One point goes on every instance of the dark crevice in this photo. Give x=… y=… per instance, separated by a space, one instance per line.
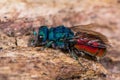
x=16 y=41
x=69 y=78
x=1 y=48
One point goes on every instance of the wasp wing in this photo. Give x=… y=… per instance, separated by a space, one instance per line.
x=86 y=31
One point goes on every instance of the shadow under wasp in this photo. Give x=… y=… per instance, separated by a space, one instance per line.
x=75 y=40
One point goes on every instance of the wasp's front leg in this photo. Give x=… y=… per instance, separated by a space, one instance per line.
x=48 y=44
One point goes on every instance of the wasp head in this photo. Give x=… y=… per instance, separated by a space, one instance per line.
x=39 y=36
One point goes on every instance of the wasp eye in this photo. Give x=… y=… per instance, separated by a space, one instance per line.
x=40 y=37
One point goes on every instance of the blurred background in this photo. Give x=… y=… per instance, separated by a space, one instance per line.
x=17 y=16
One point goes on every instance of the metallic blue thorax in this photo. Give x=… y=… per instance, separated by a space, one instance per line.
x=59 y=34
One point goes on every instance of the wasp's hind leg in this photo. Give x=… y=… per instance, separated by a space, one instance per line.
x=76 y=51
x=73 y=54
x=81 y=53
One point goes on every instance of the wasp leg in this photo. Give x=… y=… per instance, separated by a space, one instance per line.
x=72 y=53
x=81 y=53
x=47 y=45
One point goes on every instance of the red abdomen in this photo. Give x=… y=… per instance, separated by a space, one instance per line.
x=93 y=50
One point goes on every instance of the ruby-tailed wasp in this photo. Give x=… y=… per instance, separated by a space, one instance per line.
x=75 y=40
